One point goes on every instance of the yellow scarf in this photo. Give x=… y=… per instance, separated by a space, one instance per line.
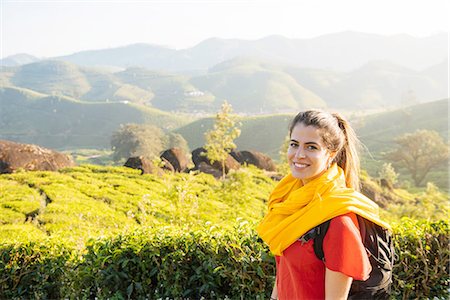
x=294 y=209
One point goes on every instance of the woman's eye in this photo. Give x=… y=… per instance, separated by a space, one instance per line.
x=293 y=145
x=310 y=147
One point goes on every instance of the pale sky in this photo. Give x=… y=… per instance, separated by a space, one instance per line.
x=52 y=28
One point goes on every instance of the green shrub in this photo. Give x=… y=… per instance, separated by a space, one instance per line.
x=214 y=263
x=421 y=270
x=33 y=271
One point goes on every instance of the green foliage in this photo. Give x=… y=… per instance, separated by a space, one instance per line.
x=220 y=140
x=388 y=173
x=177 y=140
x=421 y=270
x=430 y=204
x=89 y=201
x=143 y=140
x=419 y=152
x=111 y=233
x=91 y=156
x=66 y=123
x=211 y=262
x=33 y=270
x=137 y=140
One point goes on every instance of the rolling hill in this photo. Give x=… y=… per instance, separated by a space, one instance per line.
x=377 y=131
x=251 y=85
x=65 y=123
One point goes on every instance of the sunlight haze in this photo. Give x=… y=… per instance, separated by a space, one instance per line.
x=50 y=28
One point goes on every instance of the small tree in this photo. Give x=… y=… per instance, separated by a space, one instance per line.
x=419 y=152
x=388 y=173
x=220 y=140
x=143 y=140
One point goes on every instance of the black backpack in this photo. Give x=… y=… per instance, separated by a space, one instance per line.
x=380 y=249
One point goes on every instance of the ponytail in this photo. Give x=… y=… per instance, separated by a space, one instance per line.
x=347 y=157
x=339 y=138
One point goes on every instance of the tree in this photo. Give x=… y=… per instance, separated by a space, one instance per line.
x=220 y=140
x=419 y=152
x=143 y=140
x=388 y=173
x=135 y=140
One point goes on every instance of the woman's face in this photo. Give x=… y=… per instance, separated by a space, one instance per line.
x=307 y=155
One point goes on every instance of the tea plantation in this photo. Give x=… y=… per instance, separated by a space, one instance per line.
x=110 y=233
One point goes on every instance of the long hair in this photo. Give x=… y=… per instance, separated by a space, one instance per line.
x=338 y=136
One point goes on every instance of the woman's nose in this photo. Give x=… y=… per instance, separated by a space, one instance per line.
x=300 y=153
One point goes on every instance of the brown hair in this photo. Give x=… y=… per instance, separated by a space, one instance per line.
x=338 y=136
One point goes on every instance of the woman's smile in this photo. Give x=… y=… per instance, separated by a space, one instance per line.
x=307 y=155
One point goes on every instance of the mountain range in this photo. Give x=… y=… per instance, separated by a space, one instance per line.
x=251 y=85
x=343 y=51
x=78 y=100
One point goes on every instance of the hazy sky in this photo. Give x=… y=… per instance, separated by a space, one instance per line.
x=51 y=28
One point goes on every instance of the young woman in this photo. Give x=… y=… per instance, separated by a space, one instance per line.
x=322 y=185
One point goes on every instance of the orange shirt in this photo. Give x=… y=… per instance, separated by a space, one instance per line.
x=301 y=275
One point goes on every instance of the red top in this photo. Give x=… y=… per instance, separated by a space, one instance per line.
x=301 y=275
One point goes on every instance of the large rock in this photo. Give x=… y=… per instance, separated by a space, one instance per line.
x=143 y=164
x=208 y=169
x=29 y=157
x=199 y=156
x=177 y=158
x=257 y=159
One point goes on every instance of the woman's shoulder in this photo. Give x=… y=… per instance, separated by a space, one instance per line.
x=346 y=220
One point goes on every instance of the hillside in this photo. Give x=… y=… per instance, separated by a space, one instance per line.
x=170 y=91
x=65 y=123
x=85 y=202
x=250 y=84
x=261 y=133
x=376 y=131
x=253 y=86
x=110 y=233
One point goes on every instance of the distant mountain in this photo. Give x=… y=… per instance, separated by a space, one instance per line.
x=251 y=85
x=144 y=55
x=52 y=77
x=342 y=51
x=377 y=84
x=66 y=123
x=18 y=60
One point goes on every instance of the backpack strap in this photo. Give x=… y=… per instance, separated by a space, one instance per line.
x=321 y=231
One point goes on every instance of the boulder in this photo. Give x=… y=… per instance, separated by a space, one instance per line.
x=257 y=159
x=167 y=166
x=199 y=156
x=177 y=158
x=237 y=156
x=141 y=163
x=208 y=169
x=30 y=157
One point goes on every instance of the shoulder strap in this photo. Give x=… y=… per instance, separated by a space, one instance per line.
x=321 y=231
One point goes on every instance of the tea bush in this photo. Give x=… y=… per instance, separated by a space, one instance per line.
x=214 y=263
x=110 y=233
x=423 y=260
